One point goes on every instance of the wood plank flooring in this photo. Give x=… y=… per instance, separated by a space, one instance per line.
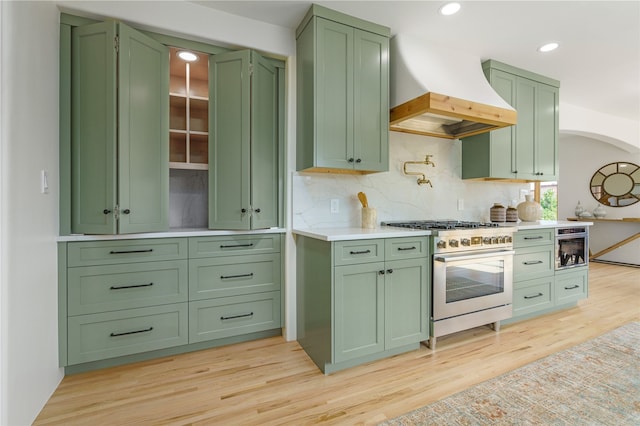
x=273 y=382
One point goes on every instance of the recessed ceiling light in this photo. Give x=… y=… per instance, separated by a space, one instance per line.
x=450 y=9
x=548 y=47
x=187 y=56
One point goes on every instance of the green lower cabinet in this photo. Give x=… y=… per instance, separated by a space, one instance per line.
x=571 y=285
x=111 y=334
x=533 y=262
x=532 y=296
x=353 y=311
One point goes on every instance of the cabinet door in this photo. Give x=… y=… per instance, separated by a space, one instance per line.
x=371 y=101
x=359 y=310
x=503 y=151
x=143 y=133
x=229 y=128
x=265 y=163
x=546 y=130
x=334 y=95
x=406 y=298
x=525 y=136
x=93 y=134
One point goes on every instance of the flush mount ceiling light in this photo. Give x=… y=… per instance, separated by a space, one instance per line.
x=548 y=47
x=187 y=56
x=449 y=9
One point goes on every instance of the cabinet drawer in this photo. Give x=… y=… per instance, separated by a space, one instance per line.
x=571 y=286
x=406 y=248
x=232 y=316
x=89 y=253
x=532 y=263
x=221 y=277
x=231 y=245
x=359 y=251
x=532 y=296
x=537 y=237
x=112 y=334
x=93 y=289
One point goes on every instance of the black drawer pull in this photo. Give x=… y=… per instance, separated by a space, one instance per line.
x=130 y=251
x=238 y=245
x=572 y=287
x=360 y=252
x=537 y=237
x=250 y=314
x=406 y=248
x=532 y=262
x=223 y=277
x=389 y=271
x=146 y=330
x=534 y=296
x=122 y=287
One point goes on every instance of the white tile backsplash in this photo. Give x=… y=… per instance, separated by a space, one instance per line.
x=397 y=196
x=188 y=199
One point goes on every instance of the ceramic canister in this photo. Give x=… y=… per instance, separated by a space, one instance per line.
x=512 y=214
x=498 y=213
x=529 y=210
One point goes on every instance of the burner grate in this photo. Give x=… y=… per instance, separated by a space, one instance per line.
x=440 y=224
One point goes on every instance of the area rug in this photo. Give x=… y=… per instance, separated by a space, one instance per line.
x=594 y=383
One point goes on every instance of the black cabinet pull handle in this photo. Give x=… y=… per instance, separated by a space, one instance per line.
x=237 y=245
x=572 y=287
x=257 y=210
x=534 y=296
x=406 y=248
x=359 y=160
x=537 y=237
x=360 y=252
x=146 y=330
x=532 y=262
x=389 y=271
x=381 y=272
x=130 y=251
x=250 y=314
x=226 y=277
x=106 y=211
x=126 y=211
x=122 y=287
x=243 y=210
x=350 y=160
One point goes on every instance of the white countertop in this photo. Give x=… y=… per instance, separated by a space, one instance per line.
x=344 y=234
x=169 y=234
x=550 y=224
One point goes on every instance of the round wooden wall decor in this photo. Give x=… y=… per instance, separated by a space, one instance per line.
x=616 y=184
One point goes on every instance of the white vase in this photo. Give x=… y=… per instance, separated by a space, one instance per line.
x=529 y=210
x=579 y=209
x=599 y=212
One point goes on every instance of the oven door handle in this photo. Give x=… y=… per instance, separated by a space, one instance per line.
x=474 y=256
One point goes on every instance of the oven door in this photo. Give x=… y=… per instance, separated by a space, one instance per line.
x=471 y=282
x=572 y=250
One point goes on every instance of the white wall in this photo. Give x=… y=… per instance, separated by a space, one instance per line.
x=29 y=219
x=580 y=158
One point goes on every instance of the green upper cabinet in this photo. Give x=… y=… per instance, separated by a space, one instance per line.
x=120 y=128
x=342 y=94
x=244 y=147
x=528 y=150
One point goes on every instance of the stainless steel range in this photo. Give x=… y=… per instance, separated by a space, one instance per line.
x=472 y=274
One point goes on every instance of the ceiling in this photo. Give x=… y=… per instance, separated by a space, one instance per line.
x=597 y=63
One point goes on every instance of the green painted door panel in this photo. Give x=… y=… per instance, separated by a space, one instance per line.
x=503 y=150
x=525 y=104
x=532 y=296
x=93 y=137
x=88 y=253
x=143 y=133
x=334 y=93
x=265 y=165
x=533 y=262
x=359 y=310
x=229 y=142
x=406 y=297
x=547 y=132
x=371 y=101
x=233 y=245
x=571 y=285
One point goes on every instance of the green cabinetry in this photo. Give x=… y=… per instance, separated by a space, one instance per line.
x=528 y=150
x=119 y=139
x=342 y=93
x=361 y=300
x=127 y=300
x=537 y=287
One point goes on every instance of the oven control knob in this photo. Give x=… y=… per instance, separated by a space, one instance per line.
x=486 y=240
x=441 y=244
x=500 y=240
x=465 y=242
x=453 y=243
x=494 y=240
x=508 y=239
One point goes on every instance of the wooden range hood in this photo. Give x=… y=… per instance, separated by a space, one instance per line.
x=435 y=91
x=442 y=116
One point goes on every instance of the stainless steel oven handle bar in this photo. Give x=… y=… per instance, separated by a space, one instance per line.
x=454 y=258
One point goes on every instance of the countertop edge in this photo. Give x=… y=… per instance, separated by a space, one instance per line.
x=168 y=234
x=347 y=234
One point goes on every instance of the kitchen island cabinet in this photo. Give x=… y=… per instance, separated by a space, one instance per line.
x=342 y=94
x=527 y=151
x=361 y=300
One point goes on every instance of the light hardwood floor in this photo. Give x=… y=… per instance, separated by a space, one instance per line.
x=272 y=381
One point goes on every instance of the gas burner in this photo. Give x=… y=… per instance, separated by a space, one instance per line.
x=440 y=224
